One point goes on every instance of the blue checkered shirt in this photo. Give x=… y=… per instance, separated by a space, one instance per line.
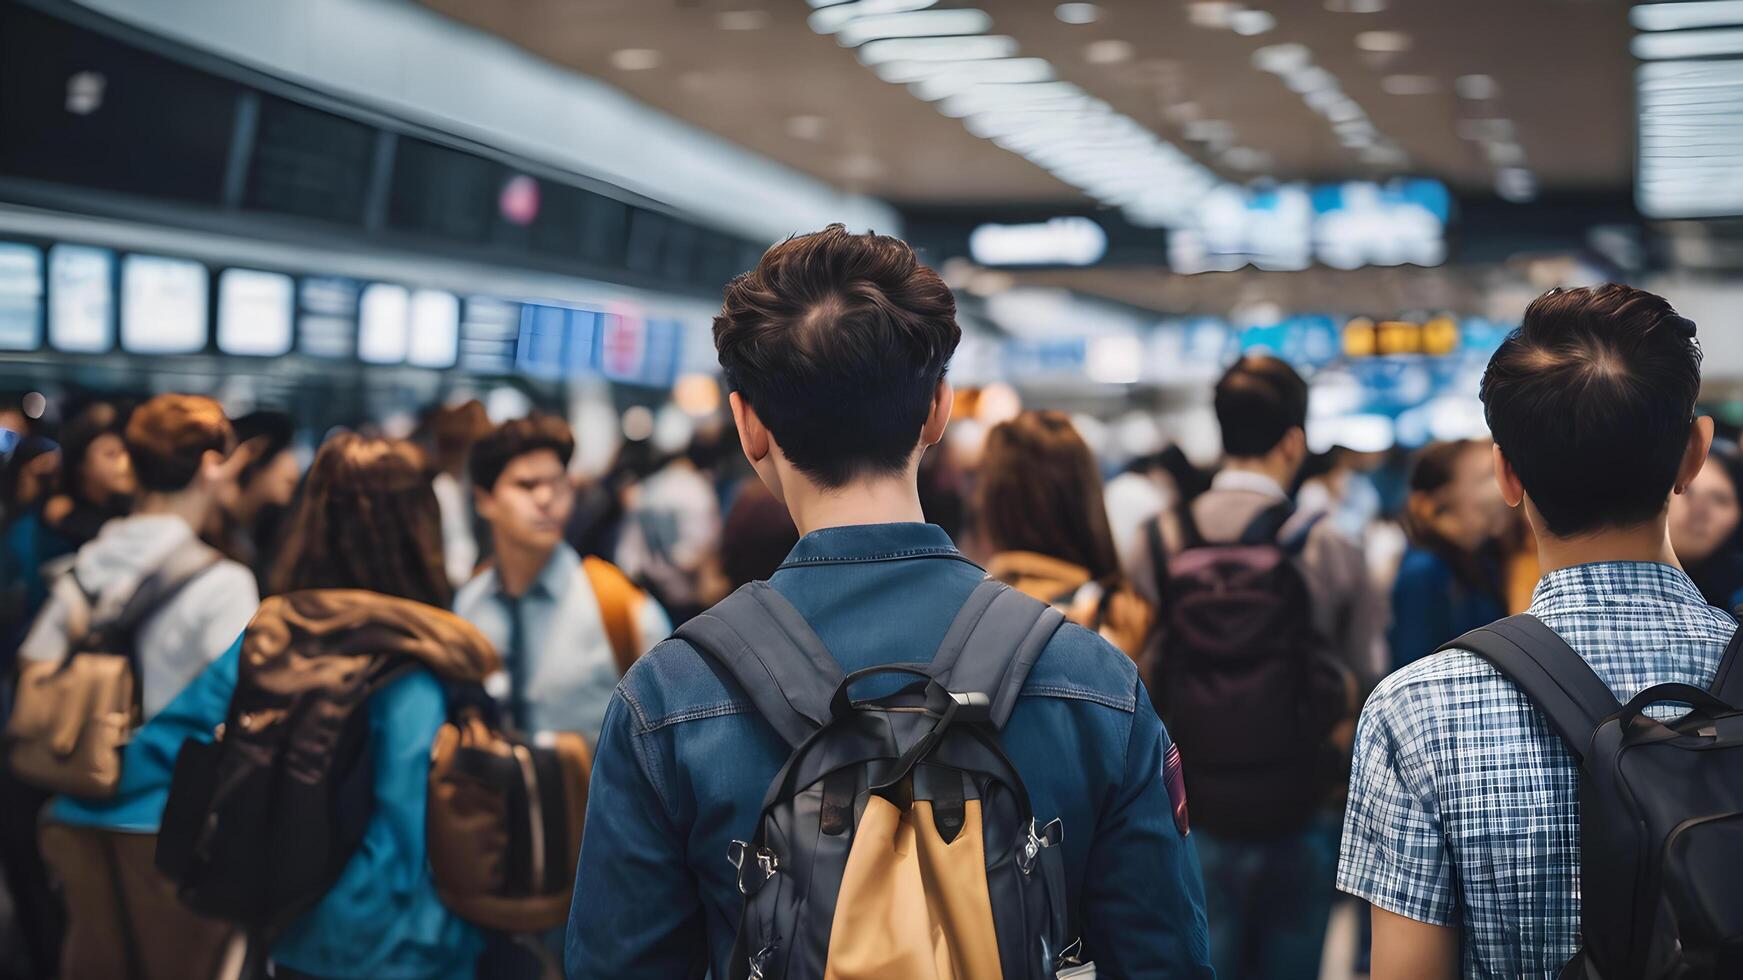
x=1463 y=806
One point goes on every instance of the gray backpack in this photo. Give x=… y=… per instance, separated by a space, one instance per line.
x=898 y=837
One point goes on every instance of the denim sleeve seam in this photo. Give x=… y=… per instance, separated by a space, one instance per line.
x=644 y=751
x=642 y=725
x=1126 y=704
x=715 y=710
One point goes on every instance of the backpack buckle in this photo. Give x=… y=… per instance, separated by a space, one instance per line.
x=972 y=706
x=1049 y=836
x=736 y=853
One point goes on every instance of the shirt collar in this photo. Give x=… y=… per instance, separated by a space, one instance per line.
x=1249 y=482
x=871 y=542
x=553 y=579
x=1606 y=582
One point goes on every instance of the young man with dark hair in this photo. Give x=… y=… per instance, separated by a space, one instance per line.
x=1463 y=825
x=567 y=627
x=1267 y=626
x=835 y=348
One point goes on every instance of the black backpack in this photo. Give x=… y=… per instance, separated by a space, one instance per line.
x=1661 y=808
x=929 y=748
x=1242 y=680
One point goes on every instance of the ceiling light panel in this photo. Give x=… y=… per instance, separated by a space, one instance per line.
x=1688 y=44
x=1683 y=16
x=947 y=57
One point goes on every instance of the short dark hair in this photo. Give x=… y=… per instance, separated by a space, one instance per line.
x=839 y=341
x=275 y=430
x=169 y=435
x=1590 y=400
x=1258 y=401
x=503 y=444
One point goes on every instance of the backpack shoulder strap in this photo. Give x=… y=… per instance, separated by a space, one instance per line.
x=1728 y=682
x=992 y=644
x=618 y=598
x=1184 y=521
x=773 y=654
x=179 y=569
x=1558 y=681
x=1268 y=523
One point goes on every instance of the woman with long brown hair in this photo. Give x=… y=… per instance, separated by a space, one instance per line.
x=1449 y=581
x=1040 y=509
x=362 y=564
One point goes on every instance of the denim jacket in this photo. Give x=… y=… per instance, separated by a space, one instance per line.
x=684 y=760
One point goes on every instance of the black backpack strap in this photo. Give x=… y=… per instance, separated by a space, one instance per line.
x=769 y=649
x=1728 y=682
x=1558 y=681
x=1267 y=524
x=993 y=642
x=1190 y=536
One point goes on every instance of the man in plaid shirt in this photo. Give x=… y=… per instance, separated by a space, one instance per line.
x=1463 y=817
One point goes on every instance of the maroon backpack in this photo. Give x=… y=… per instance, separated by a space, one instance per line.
x=1242 y=679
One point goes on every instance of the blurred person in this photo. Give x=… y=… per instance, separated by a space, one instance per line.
x=365 y=541
x=1268 y=626
x=757 y=537
x=95 y=484
x=835 y=350
x=1449 y=582
x=28 y=477
x=181 y=452
x=1341 y=491
x=1146 y=487
x=1465 y=808
x=671 y=529
x=97 y=479
x=1039 y=502
x=266 y=486
x=453 y=429
x=567 y=627
x=1704 y=524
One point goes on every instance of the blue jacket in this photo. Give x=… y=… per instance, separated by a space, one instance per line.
x=684 y=760
x=382 y=919
x=1431 y=606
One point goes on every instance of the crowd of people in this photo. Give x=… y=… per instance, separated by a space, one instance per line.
x=1214 y=635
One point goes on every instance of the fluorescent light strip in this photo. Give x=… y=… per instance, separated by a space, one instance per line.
x=832 y=19
x=1682 y=16
x=919 y=23
x=945 y=56
x=947 y=49
x=1687 y=44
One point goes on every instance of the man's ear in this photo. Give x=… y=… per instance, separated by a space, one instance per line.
x=484 y=503
x=753 y=436
x=938 y=417
x=1694 y=455
x=1512 y=491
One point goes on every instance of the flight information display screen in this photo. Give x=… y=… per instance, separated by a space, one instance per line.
x=163 y=305
x=435 y=329
x=81 y=299
x=327 y=326
x=384 y=324
x=256 y=312
x=309 y=163
x=20 y=296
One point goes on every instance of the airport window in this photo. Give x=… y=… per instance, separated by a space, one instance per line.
x=163 y=305
x=20 y=296
x=327 y=327
x=81 y=299
x=255 y=312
